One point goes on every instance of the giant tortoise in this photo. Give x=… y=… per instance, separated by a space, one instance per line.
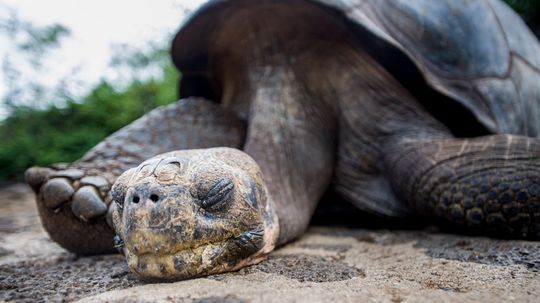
x=404 y=108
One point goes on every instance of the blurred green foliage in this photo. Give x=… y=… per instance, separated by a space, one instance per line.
x=527 y=8
x=32 y=40
x=530 y=11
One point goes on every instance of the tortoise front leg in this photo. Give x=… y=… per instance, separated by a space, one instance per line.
x=73 y=199
x=488 y=183
x=291 y=137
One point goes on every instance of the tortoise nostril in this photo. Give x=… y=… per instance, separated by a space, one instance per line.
x=154 y=198
x=136 y=199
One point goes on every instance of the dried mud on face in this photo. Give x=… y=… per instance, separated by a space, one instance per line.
x=327 y=264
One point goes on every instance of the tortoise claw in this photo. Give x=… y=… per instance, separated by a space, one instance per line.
x=36 y=176
x=56 y=191
x=87 y=204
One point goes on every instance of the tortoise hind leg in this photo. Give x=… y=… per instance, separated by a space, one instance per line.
x=73 y=199
x=487 y=183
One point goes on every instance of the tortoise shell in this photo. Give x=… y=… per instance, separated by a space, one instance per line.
x=477 y=53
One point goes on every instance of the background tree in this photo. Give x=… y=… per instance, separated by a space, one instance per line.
x=65 y=128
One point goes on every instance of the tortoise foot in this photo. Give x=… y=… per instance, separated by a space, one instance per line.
x=73 y=203
x=487 y=184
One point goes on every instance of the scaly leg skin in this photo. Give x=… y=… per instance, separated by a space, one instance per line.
x=395 y=158
x=490 y=184
x=73 y=199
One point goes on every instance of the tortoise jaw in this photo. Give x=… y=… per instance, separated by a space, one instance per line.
x=196 y=259
x=210 y=258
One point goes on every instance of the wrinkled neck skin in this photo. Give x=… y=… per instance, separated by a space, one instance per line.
x=271 y=74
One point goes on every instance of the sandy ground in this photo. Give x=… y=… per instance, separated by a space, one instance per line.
x=327 y=264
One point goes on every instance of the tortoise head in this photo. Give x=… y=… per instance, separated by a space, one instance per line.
x=193 y=213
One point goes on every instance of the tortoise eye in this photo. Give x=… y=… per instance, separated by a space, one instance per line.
x=219 y=193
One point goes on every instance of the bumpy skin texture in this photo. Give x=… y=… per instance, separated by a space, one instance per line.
x=490 y=183
x=195 y=212
x=323 y=89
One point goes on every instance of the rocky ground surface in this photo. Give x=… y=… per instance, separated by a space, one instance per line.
x=327 y=264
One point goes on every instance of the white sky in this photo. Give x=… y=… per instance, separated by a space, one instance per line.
x=95 y=26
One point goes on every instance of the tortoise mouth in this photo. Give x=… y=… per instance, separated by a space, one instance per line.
x=199 y=259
